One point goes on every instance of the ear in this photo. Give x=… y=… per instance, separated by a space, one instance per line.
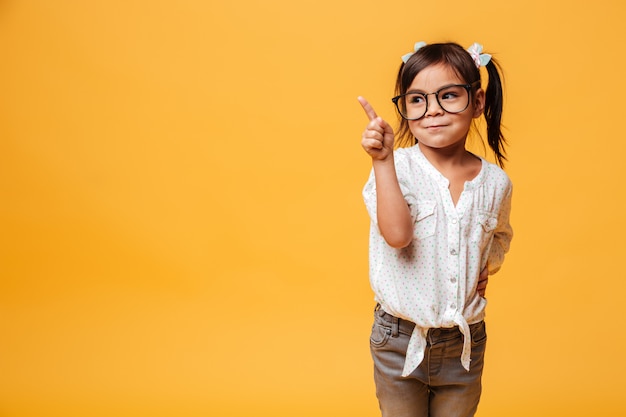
x=479 y=102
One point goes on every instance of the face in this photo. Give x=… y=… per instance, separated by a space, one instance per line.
x=439 y=129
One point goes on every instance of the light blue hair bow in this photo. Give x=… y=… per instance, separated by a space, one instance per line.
x=475 y=52
x=479 y=59
x=416 y=48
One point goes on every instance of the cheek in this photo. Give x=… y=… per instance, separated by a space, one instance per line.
x=414 y=127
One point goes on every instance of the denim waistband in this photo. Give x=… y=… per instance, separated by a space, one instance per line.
x=406 y=327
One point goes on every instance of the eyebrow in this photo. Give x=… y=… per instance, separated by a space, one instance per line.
x=424 y=92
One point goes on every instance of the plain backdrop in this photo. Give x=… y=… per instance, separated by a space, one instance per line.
x=182 y=229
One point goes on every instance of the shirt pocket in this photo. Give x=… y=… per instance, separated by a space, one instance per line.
x=486 y=223
x=426 y=219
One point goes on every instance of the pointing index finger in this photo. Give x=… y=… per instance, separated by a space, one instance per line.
x=369 y=110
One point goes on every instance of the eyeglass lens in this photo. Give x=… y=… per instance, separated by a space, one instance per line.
x=452 y=99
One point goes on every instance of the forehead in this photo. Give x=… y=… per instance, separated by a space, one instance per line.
x=434 y=77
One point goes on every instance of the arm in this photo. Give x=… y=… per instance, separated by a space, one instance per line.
x=500 y=246
x=502 y=235
x=393 y=215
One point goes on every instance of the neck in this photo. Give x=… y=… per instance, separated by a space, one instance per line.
x=450 y=157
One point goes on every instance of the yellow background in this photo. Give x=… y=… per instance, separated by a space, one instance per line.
x=182 y=230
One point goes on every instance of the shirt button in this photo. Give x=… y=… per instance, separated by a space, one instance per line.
x=453 y=306
x=453 y=221
x=453 y=280
x=453 y=251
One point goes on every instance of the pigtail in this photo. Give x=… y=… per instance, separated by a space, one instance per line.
x=494 y=101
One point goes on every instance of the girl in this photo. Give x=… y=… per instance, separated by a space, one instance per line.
x=440 y=225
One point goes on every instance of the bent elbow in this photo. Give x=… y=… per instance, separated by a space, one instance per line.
x=398 y=234
x=400 y=241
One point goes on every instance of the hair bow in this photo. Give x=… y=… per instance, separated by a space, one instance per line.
x=479 y=59
x=416 y=48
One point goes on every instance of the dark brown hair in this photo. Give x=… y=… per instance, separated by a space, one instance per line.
x=463 y=65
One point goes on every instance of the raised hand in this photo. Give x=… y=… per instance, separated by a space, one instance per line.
x=378 y=137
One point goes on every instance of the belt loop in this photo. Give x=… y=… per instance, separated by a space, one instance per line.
x=394 y=326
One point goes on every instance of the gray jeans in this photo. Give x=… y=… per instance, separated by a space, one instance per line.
x=440 y=386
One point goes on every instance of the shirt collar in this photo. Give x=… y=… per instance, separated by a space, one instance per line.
x=441 y=179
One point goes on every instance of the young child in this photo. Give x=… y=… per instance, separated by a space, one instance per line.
x=439 y=225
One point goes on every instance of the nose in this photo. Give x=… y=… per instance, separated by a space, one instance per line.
x=433 y=108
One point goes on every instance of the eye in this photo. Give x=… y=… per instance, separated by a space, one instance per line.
x=451 y=93
x=415 y=98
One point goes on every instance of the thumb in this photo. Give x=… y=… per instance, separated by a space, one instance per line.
x=388 y=134
x=386 y=126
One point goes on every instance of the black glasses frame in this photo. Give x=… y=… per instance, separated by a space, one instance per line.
x=467 y=87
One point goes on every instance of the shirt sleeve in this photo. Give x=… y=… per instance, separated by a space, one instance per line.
x=406 y=181
x=502 y=235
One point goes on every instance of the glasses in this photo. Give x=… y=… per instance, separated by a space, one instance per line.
x=451 y=98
